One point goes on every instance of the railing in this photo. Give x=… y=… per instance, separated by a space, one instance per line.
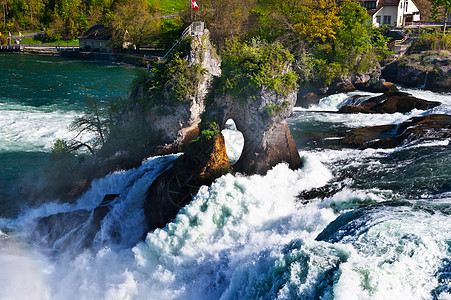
x=397 y=42
x=195 y=28
x=10 y=48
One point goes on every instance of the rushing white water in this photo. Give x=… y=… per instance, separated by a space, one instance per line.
x=27 y=128
x=251 y=237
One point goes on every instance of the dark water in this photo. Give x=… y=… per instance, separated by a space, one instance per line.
x=39 y=96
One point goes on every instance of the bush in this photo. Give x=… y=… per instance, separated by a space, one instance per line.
x=248 y=67
x=169 y=83
x=431 y=42
x=51 y=36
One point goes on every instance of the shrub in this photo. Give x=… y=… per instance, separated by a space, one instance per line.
x=431 y=42
x=248 y=67
x=169 y=83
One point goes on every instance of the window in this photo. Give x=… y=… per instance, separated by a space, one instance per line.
x=92 y=45
x=100 y=45
x=378 y=19
x=387 y=19
x=369 y=4
x=85 y=44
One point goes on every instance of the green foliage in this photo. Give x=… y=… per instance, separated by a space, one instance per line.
x=60 y=150
x=169 y=83
x=441 y=8
x=380 y=40
x=209 y=129
x=248 y=67
x=431 y=42
x=170 y=32
x=274 y=109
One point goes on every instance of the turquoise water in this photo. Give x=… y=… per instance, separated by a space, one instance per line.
x=39 y=96
x=350 y=224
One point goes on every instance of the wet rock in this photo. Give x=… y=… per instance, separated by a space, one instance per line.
x=369 y=81
x=414 y=130
x=204 y=160
x=430 y=70
x=72 y=230
x=267 y=138
x=390 y=102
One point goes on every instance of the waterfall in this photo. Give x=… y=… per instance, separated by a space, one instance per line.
x=425 y=80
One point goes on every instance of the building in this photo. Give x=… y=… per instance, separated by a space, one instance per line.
x=393 y=13
x=96 y=38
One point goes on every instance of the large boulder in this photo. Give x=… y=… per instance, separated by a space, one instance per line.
x=204 y=160
x=414 y=130
x=261 y=120
x=390 y=102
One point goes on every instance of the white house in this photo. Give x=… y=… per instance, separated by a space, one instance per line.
x=394 y=13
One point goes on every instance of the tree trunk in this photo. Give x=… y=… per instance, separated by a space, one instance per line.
x=445 y=19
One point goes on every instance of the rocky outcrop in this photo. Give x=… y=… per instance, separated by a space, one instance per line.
x=178 y=124
x=259 y=115
x=369 y=81
x=204 y=160
x=390 y=102
x=429 y=70
x=414 y=130
x=267 y=138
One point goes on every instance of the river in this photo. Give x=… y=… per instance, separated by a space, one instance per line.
x=350 y=224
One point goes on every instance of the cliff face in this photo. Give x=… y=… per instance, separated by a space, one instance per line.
x=178 y=124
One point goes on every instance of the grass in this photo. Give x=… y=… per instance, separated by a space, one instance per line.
x=168 y=7
x=32 y=41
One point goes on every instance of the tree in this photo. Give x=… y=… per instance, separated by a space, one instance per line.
x=225 y=19
x=98 y=118
x=298 y=24
x=353 y=42
x=135 y=22
x=441 y=6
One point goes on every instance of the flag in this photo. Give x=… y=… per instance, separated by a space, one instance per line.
x=194 y=5
x=10 y=34
x=20 y=34
x=1 y=34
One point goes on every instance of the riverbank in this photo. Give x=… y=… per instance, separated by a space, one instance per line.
x=72 y=52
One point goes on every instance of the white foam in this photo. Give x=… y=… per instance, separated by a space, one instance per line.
x=395 y=257
x=26 y=128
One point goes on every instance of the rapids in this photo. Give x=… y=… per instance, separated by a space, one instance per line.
x=350 y=224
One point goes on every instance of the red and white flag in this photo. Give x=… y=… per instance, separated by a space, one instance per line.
x=194 y=5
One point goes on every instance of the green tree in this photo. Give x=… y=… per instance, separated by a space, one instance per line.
x=353 y=42
x=441 y=6
x=225 y=19
x=135 y=21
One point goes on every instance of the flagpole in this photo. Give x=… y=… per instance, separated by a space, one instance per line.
x=191 y=5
